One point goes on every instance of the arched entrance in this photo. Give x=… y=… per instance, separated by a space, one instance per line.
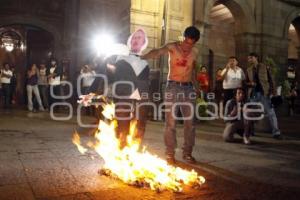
x=294 y=46
x=220 y=37
x=38 y=43
x=226 y=27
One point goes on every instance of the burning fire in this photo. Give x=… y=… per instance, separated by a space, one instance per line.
x=133 y=165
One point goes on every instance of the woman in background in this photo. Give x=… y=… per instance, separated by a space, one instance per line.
x=32 y=87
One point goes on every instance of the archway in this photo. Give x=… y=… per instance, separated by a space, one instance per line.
x=228 y=22
x=220 y=38
x=38 y=43
x=294 y=46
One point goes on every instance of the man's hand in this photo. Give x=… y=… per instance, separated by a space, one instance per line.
x=227 y=66
x=234 y=112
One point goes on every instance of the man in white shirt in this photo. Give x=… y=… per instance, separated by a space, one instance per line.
x=88 y=77
x=233 y=77
x=6 y=75
x=54 y=77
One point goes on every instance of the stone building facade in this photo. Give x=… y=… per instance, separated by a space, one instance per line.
x=59 y=28
x=228 y=27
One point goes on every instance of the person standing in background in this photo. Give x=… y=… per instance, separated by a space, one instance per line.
x=233 y=78
x=54 y=78
x=32 y=87
x=261 y=88
x=203 y=80
x=13 y=85
x=6 y=75
x=43 y=85
x=88 y=77
x=219 y=86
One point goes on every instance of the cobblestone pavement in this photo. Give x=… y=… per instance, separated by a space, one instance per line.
x=38 y=161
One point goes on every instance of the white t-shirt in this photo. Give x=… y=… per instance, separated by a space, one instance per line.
x=87 y=78
x=233 y=78
x=5 y=79
x=56 y=79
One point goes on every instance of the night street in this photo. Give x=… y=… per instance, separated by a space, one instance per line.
x=39 y=161
x=198 y=99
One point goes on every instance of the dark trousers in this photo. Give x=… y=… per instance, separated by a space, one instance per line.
x=228 y=94
x=124 y=108
x=44 y=95
x=141 y=115
x=57 y=91
x=6 y=90
x=12 y=92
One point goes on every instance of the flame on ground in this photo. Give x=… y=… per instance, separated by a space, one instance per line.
x=132 y=165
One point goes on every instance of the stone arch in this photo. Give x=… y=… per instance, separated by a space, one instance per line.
x=32 y=21
x=41 y=24
x=241 y=11
x=292 y=18
x=289 y=19
x=244 y=25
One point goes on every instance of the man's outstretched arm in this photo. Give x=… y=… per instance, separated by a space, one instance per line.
x=155 y=53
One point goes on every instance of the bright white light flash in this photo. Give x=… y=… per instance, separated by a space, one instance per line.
x=102 y=44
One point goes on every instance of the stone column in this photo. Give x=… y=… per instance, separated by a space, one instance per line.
x=298 y=65
x=245 y=44
x=70 y=37
x=202 y=43
x=264 y=45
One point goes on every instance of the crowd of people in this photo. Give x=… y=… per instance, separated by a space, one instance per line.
x=234 y=86
x=43 y=85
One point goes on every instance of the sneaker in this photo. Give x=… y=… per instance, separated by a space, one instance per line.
x=170 y=159
x=41 y=109
x=189 y=158
x=246 y=140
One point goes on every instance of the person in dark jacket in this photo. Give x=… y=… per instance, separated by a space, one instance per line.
x=261 y=88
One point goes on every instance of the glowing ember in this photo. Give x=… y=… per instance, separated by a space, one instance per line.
x=132 y=165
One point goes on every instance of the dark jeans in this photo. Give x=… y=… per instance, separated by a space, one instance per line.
x=268 y=109
x=44 y=95
x=228 y=94
x=141 y=115
x=6 y=90
x=12 y=92
x=184 y=97
x=124 y=108
x=56 y=91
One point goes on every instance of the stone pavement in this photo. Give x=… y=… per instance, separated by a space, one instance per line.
x=38 y=161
